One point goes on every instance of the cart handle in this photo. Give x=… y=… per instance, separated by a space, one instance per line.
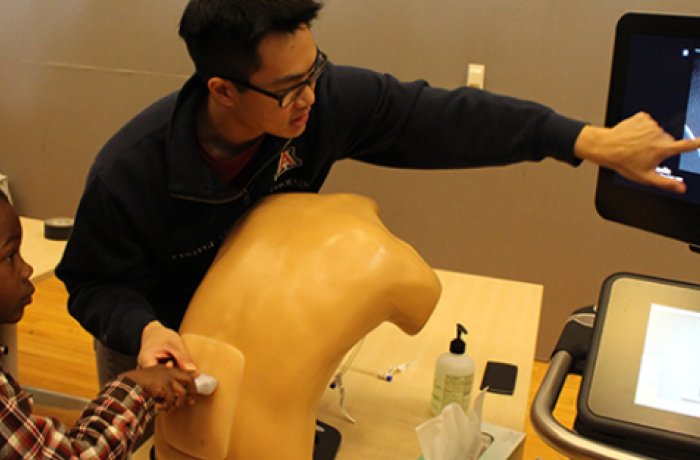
x=556 y=435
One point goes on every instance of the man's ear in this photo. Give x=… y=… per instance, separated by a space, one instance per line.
x=223 y=91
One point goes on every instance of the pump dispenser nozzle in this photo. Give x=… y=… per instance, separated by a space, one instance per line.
x=457 y=346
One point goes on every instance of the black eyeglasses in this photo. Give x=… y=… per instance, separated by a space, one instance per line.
x=286 y=96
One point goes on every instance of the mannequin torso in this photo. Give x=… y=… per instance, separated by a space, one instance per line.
x=295 y=285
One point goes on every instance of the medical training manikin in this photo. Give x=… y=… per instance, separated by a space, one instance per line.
x=296 y=283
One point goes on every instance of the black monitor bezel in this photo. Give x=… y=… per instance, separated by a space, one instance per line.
x=660 y=213
x=606 y=399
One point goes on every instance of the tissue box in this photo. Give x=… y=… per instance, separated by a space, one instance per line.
x=505 y=442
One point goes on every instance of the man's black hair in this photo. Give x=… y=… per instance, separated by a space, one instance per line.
x=3 y=197
x=222 y=36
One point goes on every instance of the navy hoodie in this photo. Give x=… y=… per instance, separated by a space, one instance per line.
x=153 y=214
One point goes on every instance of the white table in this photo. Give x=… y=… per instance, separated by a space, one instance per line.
x=502 y=318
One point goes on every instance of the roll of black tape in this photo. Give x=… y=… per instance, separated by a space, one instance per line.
x=58 y=228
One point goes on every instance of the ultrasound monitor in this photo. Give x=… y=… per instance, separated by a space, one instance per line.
x=656 y=69
x=641 y=385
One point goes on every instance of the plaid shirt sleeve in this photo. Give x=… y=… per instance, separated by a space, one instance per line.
x=106 y=429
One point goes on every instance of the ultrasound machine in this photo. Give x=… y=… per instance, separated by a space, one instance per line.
x=638 y=349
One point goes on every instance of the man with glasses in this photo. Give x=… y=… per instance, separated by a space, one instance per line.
x=266 y=112
x=285 y=97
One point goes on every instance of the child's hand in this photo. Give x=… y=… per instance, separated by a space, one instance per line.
x=169 y=386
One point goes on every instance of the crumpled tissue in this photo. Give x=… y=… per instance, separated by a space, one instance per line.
x=452 y=435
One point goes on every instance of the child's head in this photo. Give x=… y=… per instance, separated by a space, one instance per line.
x=15 y=288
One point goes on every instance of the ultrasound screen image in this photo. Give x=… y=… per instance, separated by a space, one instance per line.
x=690 y=162
x=663 y=79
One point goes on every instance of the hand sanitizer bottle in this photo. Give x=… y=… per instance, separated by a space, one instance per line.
x=454 y=376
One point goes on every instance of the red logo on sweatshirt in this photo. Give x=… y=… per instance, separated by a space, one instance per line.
x=288 y=160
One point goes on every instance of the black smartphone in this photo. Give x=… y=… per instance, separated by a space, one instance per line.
x=499 y=378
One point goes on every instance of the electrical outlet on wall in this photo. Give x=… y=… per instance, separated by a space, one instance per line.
x=476 y=74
